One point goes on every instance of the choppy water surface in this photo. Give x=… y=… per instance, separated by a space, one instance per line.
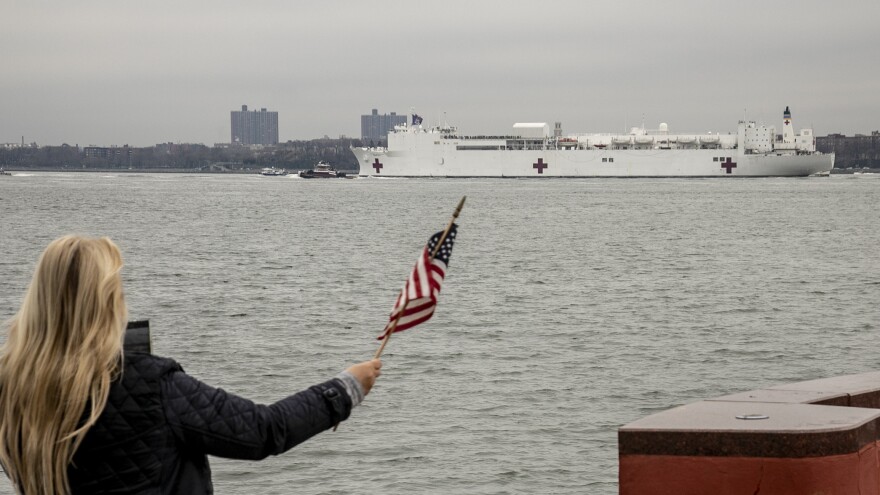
x=571 y=307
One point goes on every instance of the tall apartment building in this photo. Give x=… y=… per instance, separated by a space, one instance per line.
x=375 y=127
x=253 y=127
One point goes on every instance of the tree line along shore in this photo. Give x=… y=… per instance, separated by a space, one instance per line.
x=174 y=157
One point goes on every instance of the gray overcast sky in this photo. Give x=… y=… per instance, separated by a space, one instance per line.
x=141 y=73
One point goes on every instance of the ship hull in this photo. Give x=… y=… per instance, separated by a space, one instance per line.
x=441 y=161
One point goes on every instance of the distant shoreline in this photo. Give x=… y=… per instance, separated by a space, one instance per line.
x=149 y=171
x=850 y=171
x=835 y=171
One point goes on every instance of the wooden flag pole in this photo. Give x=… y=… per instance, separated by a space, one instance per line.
x=393 y=325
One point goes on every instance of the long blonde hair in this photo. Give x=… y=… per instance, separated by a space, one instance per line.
x=63 y=350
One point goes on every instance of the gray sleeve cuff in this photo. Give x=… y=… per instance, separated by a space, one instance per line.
x=352 y=387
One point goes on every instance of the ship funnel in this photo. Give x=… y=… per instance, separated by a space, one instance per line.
x=787 y=128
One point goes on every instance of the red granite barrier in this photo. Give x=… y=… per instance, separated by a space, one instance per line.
x=814 y=437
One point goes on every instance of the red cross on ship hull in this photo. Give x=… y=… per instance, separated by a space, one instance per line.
x=540 y=165
x=729 y=165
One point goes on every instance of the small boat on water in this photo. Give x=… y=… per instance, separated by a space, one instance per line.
x=272 y=171
x=322 y=170
x=3 y=172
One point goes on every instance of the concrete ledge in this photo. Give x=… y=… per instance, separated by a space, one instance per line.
x=711 y=428
x=863 y=390
x=789 y=397
x=818 y=436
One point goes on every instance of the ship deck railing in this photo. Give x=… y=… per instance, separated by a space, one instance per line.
x=451 y=136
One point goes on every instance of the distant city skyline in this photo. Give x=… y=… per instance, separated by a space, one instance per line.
x=111 y=73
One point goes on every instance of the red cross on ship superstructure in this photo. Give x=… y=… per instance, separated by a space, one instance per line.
x=729 y=165
x=540 y=165
x=377 y=165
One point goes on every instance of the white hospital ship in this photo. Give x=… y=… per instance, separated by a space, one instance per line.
x=531 y=151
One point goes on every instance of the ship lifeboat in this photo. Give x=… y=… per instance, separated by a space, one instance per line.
x=644 y=139
x=686 y=139
x=621 y=140
x=709 y=139
x=567 y=143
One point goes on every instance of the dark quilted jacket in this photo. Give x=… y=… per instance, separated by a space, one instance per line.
x=160 y=425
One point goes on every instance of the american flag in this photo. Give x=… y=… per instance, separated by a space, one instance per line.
x=418 y=297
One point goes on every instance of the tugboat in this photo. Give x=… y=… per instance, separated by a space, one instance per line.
x=272 y=171
x=322 y=170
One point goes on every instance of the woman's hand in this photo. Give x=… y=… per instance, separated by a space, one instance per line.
x=366 y=373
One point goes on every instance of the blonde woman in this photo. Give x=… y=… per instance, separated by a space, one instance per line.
x=76 y=416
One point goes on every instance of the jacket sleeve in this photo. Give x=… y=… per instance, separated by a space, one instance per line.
x=213 y=421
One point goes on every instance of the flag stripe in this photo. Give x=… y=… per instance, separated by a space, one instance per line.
x=410 y=319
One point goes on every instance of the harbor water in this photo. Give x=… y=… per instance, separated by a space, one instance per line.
x=571 y=307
